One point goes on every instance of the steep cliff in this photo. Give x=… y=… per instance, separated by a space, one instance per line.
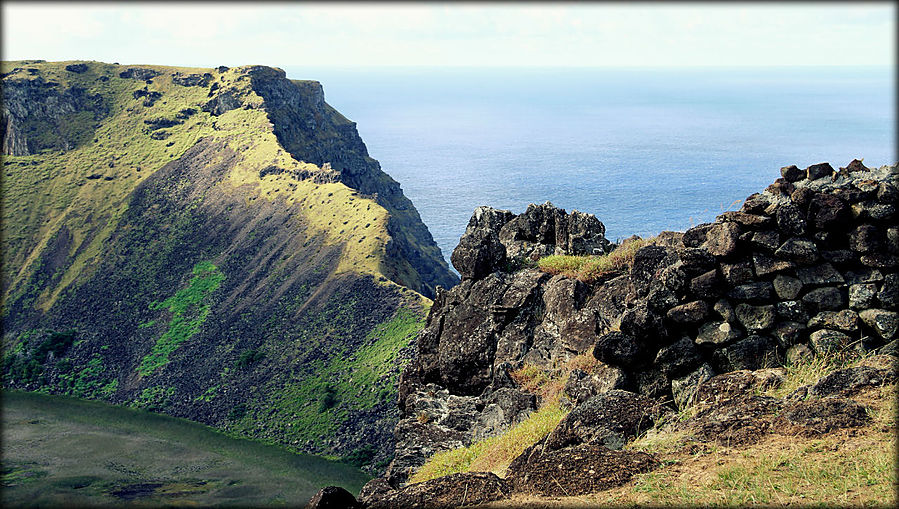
x=214 y=244
x=692 y=322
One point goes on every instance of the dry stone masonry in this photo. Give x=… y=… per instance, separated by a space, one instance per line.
x=705 y=317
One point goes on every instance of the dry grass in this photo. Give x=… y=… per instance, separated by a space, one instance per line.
x=851 y=467
x=494 y=454
x=590 y=268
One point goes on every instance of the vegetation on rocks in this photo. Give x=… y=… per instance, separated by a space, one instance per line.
x=589 y=268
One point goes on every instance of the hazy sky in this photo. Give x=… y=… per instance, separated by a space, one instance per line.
x=471 y=34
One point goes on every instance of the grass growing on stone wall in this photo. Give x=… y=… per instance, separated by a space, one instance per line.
x=494 y=454
x=590 y=268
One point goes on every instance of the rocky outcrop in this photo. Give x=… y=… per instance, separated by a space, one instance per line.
x=39 y=115
x=806 y=267
x=312 y=131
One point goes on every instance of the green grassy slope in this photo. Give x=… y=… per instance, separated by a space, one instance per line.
x=179 y=259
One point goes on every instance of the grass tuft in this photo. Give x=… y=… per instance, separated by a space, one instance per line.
x=590 y=268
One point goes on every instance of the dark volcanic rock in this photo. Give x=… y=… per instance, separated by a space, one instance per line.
x=454 y=490
x=578 y=470
x=77 y=68
x=689 y=313
x=332 y=497
x=850 y=380
x=792 y=173
x=722 y=239
x=582 y=386
x=816 y=171
x=609 y=419
x=751 y=352
x=618 y=349
x=819 y=416
x=827 y=212
x=737 y=421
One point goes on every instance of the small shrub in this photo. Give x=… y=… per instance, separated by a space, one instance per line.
x=329 y=399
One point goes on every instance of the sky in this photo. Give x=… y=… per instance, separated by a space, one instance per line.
x=328 y=34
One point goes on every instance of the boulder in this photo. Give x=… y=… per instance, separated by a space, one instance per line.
x=816 y=417
x=828 y=212
x=736 y=421
x=765 y=264
x=827 y=341
x=608 y=420
x=845 y=320
x=889 y=292
x=798 y=250
x=883 y=323
x=723 y=308
x=792 y=173
x=755 y=318
x=867 y=238
x=737 y=273
x=454 y=490
x=788 y=333
x=618 y=349
x=575 y=471
x=820 y=170
x=678 y=358
x=706 y=285
x=792 y=310
x=696 y=236
x=849 y=381
x=790 y=220
x=819 y=275
x=787 y=287
x=332 y=497
x=725 y=387
x=751 y=352
x=861 y=296
x=479 y=251
x=582 y=385
x=717 y=333
x=824 y=299
x=684 y=389
x=722 y=239
x=754 y=292
x=689 y=313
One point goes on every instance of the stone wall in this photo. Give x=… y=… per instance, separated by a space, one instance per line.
x=806 y=267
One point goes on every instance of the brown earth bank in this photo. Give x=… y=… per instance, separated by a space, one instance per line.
x=567 y=367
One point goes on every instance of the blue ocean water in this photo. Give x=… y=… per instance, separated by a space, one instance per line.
x=644 y=150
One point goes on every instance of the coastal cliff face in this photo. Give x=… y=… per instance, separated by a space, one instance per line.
x=807 y=268
x=213 y=244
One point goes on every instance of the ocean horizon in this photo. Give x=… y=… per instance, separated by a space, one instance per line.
x=644 y=149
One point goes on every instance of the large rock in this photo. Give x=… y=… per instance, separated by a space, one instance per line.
x=799 y=250
x=819 y=416
x=479 y=251
x=574 y=471
x=755 y=318
x=751 y=352
x=717 y=333
x=582 y=385
x=678 y=358
x=609 y=420
x=787 y=287
x=829 y=213
x=618 y=349
x=824 y=299
x=684 y=389
x=689 y=313
x=722 y=239
x=332 y=497
x=845 y=320
x=883 y=323
x=454 y=490
x=827 y=341
x=889 y=292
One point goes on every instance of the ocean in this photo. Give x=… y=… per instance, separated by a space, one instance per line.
x=645 y=150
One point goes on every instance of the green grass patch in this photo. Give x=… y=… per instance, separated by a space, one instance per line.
x=590 y=268
x=189 y=308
